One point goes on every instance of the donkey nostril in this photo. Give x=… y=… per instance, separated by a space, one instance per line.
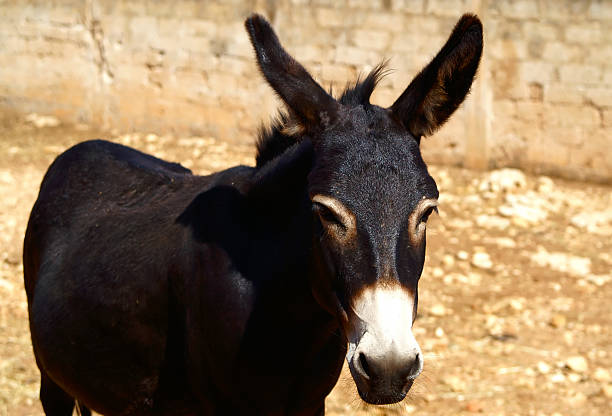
x=363 y=362
x=415 y=368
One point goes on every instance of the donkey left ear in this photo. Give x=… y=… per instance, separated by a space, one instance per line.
x=436 y=92
x=305 y=98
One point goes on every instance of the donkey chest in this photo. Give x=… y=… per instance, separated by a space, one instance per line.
x=267 y=344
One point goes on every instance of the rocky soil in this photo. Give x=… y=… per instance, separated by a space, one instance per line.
x=514 y=314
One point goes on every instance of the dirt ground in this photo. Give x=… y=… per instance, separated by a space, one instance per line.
x=514 y=314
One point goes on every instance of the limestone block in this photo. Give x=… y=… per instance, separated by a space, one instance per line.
x=584 y=33
x=143 y=30
x=336 y=73
x=504 y=109
x=580 y=74
x=451 y=8
x=536 y=71
x=541 y=30
x=392 y=22
x=355 y=56
x=507 y=49
x=233 y=65
x=607 y=76
x=327 y=17
x=500 y=27
x=365 y=4
x=312 y=53
x=376 y=40
x=403 y=44
x=607 y=117
x=518 y=9
x=384 y=97
x=600 y=9
x=601 y=54
x=408 y=6
x=67 y=13
x=600 y=96
x=562 y=52
x=570 y=115
x=564 y=10
x=330 y=3
x=547 y=152
x=571 y=135
x=557 y=92
x=530 y=111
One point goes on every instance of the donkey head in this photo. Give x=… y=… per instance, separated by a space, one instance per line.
x=371 y=196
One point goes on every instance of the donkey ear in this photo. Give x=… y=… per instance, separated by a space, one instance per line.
x=305 y=98
x=436 y=92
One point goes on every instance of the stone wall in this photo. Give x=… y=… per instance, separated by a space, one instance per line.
x=542 y=101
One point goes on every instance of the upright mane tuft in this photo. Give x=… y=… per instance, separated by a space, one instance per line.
x=283 y=132
x=274 y=139
x=359 y=93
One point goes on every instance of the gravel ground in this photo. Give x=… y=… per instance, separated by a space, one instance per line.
x=514 y=315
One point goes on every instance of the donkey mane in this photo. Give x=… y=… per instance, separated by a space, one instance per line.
x=284 y=131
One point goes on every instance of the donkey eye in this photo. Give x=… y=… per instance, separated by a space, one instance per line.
x=326 y=215
x=427 y=213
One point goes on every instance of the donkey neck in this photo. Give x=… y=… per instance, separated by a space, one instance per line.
x=279 y=194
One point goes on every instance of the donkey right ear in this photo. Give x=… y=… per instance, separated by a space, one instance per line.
x=436 y=92
x=313 y=107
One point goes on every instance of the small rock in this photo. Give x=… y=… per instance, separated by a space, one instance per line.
x=409 y=408
x=472 y=200
x=7 y=177
x=504 y=242
x=6 y=285
x=598 y=279
x=577 y=363
x=459 y=224
x=601 y=374
x=545 y=185
x=474 y=406
x=455 y=383
x=439 y=332
x=562 y=262
x=543 y=368
x=606 y=390
x=576 y=399
x=503 y=180
x=42 y=121
x=557 y=378
x=473 y=279
x=558 y=321
x=492 y=221
x=437 y=272
x=574 y=378
x=448 y=260
x=568 y=338
x=522 y=215
x=438 y=310
x=525 y=382
x=594 y=222
x=462 y=255
x=525 y=209
x=482 y=260
x=151 y=138
x=517 y=304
